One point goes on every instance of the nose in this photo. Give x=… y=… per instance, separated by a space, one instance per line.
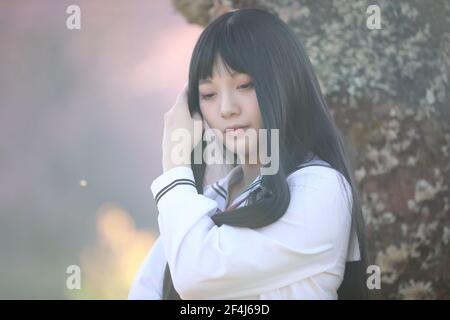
x=229 y=107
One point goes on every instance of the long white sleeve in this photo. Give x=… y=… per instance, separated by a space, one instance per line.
x=211 y=262
x=148 y=282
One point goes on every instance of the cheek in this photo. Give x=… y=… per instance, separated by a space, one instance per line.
x=202 y=109
x=208 y=115
x=254 y=113
x=205 y=110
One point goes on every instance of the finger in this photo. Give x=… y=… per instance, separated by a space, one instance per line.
x=182 y=96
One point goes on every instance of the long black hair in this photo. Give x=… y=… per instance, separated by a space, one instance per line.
x=258 y=43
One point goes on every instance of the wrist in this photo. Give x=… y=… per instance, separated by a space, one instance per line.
x=167 y=167
x=169 y=164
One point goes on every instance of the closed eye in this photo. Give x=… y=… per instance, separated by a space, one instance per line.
x=248 y=85
x=244 y=86
x=207 y=96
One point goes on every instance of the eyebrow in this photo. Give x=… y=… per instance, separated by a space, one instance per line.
x=202 y=81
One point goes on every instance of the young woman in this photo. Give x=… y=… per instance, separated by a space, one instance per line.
x=295 y=234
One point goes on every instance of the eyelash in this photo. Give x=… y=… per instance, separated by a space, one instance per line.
x=247 y=86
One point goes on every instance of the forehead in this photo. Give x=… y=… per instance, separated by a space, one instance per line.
x=232 y=75
x=221 y=70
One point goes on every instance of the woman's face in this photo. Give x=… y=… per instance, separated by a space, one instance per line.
x=229 y=100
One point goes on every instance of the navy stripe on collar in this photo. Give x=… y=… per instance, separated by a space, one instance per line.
x=221 y=188
x=252 y=185
x=218 y=191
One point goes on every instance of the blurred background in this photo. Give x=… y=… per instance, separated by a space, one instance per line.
x=81 y=128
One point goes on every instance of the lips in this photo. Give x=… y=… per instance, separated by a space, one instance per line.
x=235 y=127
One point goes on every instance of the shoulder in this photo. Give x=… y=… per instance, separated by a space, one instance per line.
x=321 y=177
x=318 y=213
x=148 y=281
x=320 y=192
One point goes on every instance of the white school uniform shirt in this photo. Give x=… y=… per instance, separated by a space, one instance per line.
x=300 y=256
